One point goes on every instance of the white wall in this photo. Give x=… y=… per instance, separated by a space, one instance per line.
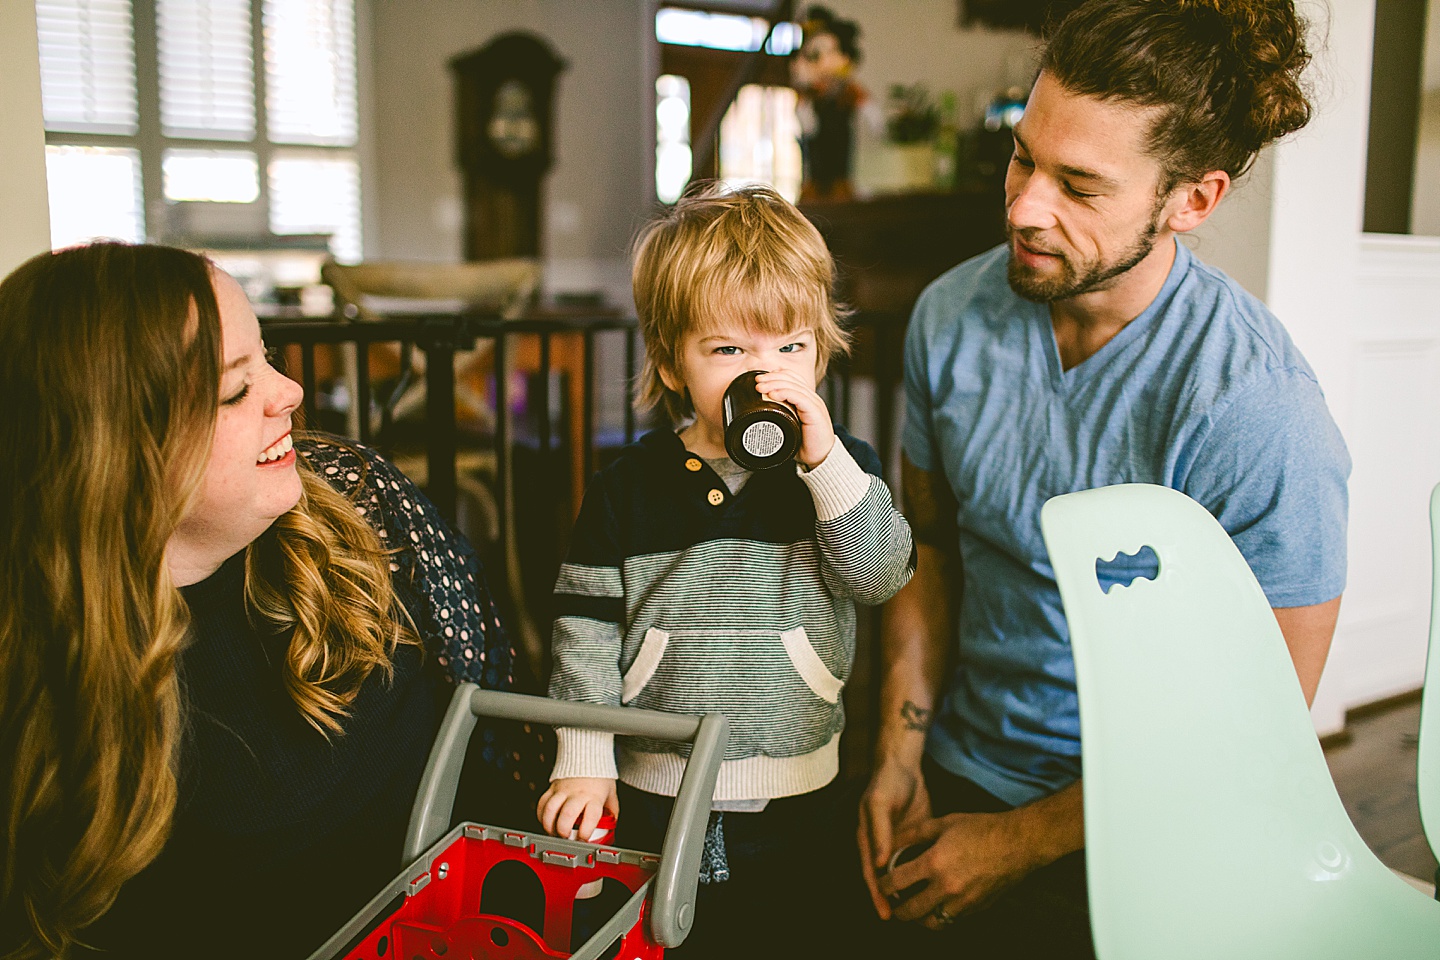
x=597 y=191
x=1236 y=238
x=1391 y=360
x=1363 y=310
x=905 y=41
x=23 y=206
x=601 y=185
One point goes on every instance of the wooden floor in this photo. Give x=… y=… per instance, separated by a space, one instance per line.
x=1374 y=771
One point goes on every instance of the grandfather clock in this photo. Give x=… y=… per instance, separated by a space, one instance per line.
x=504 y=93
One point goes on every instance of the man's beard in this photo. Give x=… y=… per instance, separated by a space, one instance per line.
x=1072 y=282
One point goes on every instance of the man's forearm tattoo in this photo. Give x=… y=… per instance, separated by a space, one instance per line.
x=915 y=716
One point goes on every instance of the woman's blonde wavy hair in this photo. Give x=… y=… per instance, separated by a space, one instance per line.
x=110 y=360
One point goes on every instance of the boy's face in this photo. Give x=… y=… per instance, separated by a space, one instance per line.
x=710 y=360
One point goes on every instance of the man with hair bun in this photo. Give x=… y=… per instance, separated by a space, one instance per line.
x=1089 y=349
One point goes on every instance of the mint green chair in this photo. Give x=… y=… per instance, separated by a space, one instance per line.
x=1428 y=767
x=1212 y=826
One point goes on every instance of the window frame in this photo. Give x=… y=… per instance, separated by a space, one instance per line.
x=150 y=141
x=709 y=71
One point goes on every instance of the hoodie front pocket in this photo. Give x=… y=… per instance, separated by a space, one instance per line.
x=652 y=649
x=809 y=665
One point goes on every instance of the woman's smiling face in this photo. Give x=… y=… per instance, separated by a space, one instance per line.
x=250 y=478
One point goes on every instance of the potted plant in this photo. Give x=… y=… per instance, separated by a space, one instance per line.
x=912 y=120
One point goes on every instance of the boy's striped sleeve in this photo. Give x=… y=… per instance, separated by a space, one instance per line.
x=585 y=645
x=866 y=547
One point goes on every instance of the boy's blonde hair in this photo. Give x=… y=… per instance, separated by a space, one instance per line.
x=743 y=255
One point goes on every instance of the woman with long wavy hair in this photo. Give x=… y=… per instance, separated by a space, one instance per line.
x=221 y=646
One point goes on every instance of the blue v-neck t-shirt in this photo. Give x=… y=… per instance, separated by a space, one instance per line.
x=1203 y=392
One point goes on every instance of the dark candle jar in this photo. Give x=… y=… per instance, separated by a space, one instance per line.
x=759 y=433
x=902 y=856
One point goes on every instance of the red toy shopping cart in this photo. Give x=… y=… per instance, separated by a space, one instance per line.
x=435 y=908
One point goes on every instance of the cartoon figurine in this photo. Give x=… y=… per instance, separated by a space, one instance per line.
x=820 y=72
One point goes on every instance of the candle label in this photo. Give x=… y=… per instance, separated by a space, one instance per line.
x=763 y=439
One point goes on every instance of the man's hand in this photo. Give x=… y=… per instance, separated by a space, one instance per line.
x=573 y=802
x=896 y=801
x=975 y=857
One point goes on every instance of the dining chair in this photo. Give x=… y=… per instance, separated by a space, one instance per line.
x=1428 y=762
x=1212 y=825
x=379 y=289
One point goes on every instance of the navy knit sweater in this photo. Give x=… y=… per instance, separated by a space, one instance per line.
x=281 y=835
x=678 y=595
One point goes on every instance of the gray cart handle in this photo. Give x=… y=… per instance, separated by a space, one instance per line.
x=675 y=882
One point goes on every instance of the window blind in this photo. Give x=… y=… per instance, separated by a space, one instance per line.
x=201 y=76
x=87 y=65
x=310 y=87
x=314 y=192
x=207 y=69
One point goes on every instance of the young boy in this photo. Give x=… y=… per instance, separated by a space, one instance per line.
x=695 y=586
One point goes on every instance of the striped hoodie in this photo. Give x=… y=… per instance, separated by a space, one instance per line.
x=677 y=595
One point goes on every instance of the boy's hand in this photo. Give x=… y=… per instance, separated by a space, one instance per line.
x=577 y=802
x=817 y=432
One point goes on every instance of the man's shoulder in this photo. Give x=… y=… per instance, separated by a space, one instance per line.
x=1240 y=367
x=971 y=282
x=974 y=295
x=1234 y=323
